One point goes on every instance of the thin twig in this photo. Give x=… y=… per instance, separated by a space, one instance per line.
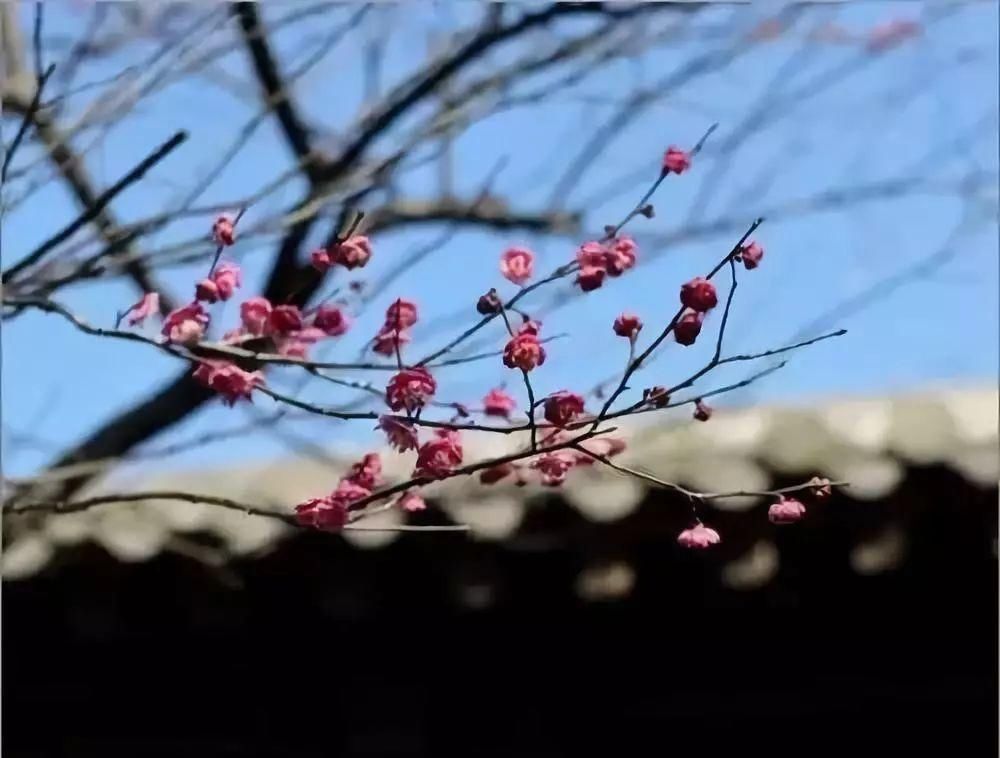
x=634 y=366
x=638 y=474
x=26 y=121
x=559 y=273
x=36 y=39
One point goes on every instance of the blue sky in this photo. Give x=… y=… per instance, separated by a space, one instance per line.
x=937 y=329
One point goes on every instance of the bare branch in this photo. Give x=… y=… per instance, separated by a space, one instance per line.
x=488 y=211
x=274 y=87
x=412 y=91
x=96 y=208
x=26 y=121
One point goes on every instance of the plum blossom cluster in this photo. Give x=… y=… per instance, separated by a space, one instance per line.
x=563 y=435
x=788 y=510
x=351 y=253
x=410 y=390
x=553 y=466
x=594 y=261
x=598 y=260
x=332 y=512
x=289 y=330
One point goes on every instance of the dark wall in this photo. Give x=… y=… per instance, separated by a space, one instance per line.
x=319 y=649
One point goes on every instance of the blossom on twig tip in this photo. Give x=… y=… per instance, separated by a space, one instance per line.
x=786 y=511
x=628 y=325
x=353 y=252
x=676 y=161
x=401 y=314
x=524 y=350
x=698 y=537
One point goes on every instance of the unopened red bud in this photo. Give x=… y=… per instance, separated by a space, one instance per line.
x=489 y=303
x=224 y=231
x=688 y=328
x=699 y=295
x=627 y=325
x=702 y=412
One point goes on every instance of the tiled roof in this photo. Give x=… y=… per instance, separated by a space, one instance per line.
x=868 y=442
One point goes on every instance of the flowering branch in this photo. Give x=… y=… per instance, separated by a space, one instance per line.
x=671 y=325
x=341 y=169
x=232 y=352
x=222 y=502
x=282 y=324
x=411 y=389
x=701 y=496
x=641 y=208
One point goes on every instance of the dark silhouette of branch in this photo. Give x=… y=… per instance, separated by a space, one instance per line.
x=486 y=211
x=67 y=162
x=274 y=87
x=26 y=121
x=412 y=91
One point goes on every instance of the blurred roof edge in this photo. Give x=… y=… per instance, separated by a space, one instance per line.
x=869 y=441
